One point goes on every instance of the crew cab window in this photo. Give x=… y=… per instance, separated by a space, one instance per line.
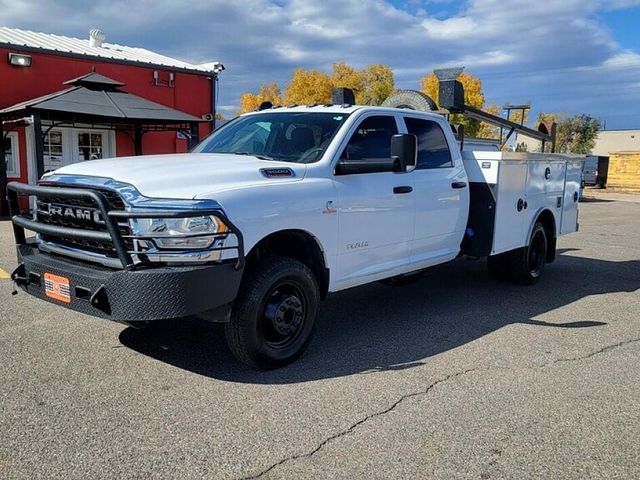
x=433 y=150
x=372 y=139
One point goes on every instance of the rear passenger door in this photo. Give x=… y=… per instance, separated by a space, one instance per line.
x=441 y=194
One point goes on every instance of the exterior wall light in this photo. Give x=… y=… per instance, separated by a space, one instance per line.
x=19 y=60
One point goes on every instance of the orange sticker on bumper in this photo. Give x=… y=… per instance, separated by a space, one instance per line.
x=57 y=287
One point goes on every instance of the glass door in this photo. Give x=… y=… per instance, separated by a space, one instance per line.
x=54 y=152
x=90 y=146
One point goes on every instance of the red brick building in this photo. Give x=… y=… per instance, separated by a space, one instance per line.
x=47 y=123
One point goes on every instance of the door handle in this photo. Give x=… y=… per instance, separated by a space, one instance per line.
x=403 y=189
x=458 y=184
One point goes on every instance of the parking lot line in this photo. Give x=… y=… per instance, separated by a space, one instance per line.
x=4 y=275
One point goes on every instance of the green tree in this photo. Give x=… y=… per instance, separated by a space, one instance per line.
x=574 y=134
x=473 y=96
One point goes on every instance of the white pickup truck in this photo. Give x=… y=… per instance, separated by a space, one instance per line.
x=277 y=209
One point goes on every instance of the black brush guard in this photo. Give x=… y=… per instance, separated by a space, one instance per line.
x=112 y=236
x=126 y=291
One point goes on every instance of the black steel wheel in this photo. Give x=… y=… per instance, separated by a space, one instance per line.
x=275 y=312
x=527 y=264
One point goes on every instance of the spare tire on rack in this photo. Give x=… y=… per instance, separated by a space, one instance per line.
x=411 y=99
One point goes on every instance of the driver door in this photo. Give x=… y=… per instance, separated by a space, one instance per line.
x=375 y=210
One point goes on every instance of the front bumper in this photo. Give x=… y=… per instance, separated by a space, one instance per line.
x=128 y=295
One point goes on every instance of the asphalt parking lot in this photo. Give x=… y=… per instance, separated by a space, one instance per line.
x=453 y=376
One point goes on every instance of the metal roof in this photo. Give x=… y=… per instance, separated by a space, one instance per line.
x=48 y=42
x=97 y=98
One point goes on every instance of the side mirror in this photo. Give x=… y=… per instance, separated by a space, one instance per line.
x=404 y=151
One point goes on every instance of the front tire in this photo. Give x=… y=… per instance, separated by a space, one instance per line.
x=275 y=312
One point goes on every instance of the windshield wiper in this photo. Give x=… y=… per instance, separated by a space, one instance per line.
x=257 y=155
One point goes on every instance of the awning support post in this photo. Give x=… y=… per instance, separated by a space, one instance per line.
x=137 y=139
x=39 y=144
x=194 y=134
x=4 y=206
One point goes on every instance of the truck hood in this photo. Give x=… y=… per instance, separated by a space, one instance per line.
x=184 y=175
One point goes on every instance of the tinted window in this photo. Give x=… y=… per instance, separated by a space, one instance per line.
x=433 y=150
x=372 y=139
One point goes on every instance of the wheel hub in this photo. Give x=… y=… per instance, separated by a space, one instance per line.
x=285 y=313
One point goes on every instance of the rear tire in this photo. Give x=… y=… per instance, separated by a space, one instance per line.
x=274 y=315
x=527 y=263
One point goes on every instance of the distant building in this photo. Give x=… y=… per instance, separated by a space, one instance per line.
x=610 y=141
x=65 y=100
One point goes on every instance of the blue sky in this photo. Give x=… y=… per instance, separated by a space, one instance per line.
x=574 y=56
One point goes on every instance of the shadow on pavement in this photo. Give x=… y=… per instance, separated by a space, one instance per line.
x=587 y=199
x=379 y=327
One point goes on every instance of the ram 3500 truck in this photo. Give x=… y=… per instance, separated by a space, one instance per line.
x=277 y=209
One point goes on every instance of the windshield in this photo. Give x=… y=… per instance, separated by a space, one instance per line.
x=300 y=137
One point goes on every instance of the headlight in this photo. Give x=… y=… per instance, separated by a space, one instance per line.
x=179 y=233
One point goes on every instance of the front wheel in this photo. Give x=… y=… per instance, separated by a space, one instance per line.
x=273 y=317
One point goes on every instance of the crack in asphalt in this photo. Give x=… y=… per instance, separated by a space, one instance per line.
x=360 y=422
x=426 y=391
x=592 y=354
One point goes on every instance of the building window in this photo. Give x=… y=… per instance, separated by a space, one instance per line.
x=53 y=149
x=89 y=146
x=11 y=154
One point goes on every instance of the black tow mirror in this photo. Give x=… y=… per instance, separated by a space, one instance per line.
x=404 y=151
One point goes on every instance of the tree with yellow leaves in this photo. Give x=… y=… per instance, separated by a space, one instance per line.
x=371 y=86
x=345 y=76
x=487 y=130
x=473 y=97
x=268 y=93
x=379 y=84
x=308 y=88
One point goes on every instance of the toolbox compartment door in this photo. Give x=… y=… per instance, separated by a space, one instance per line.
x=573 y=177
x=511 y=212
